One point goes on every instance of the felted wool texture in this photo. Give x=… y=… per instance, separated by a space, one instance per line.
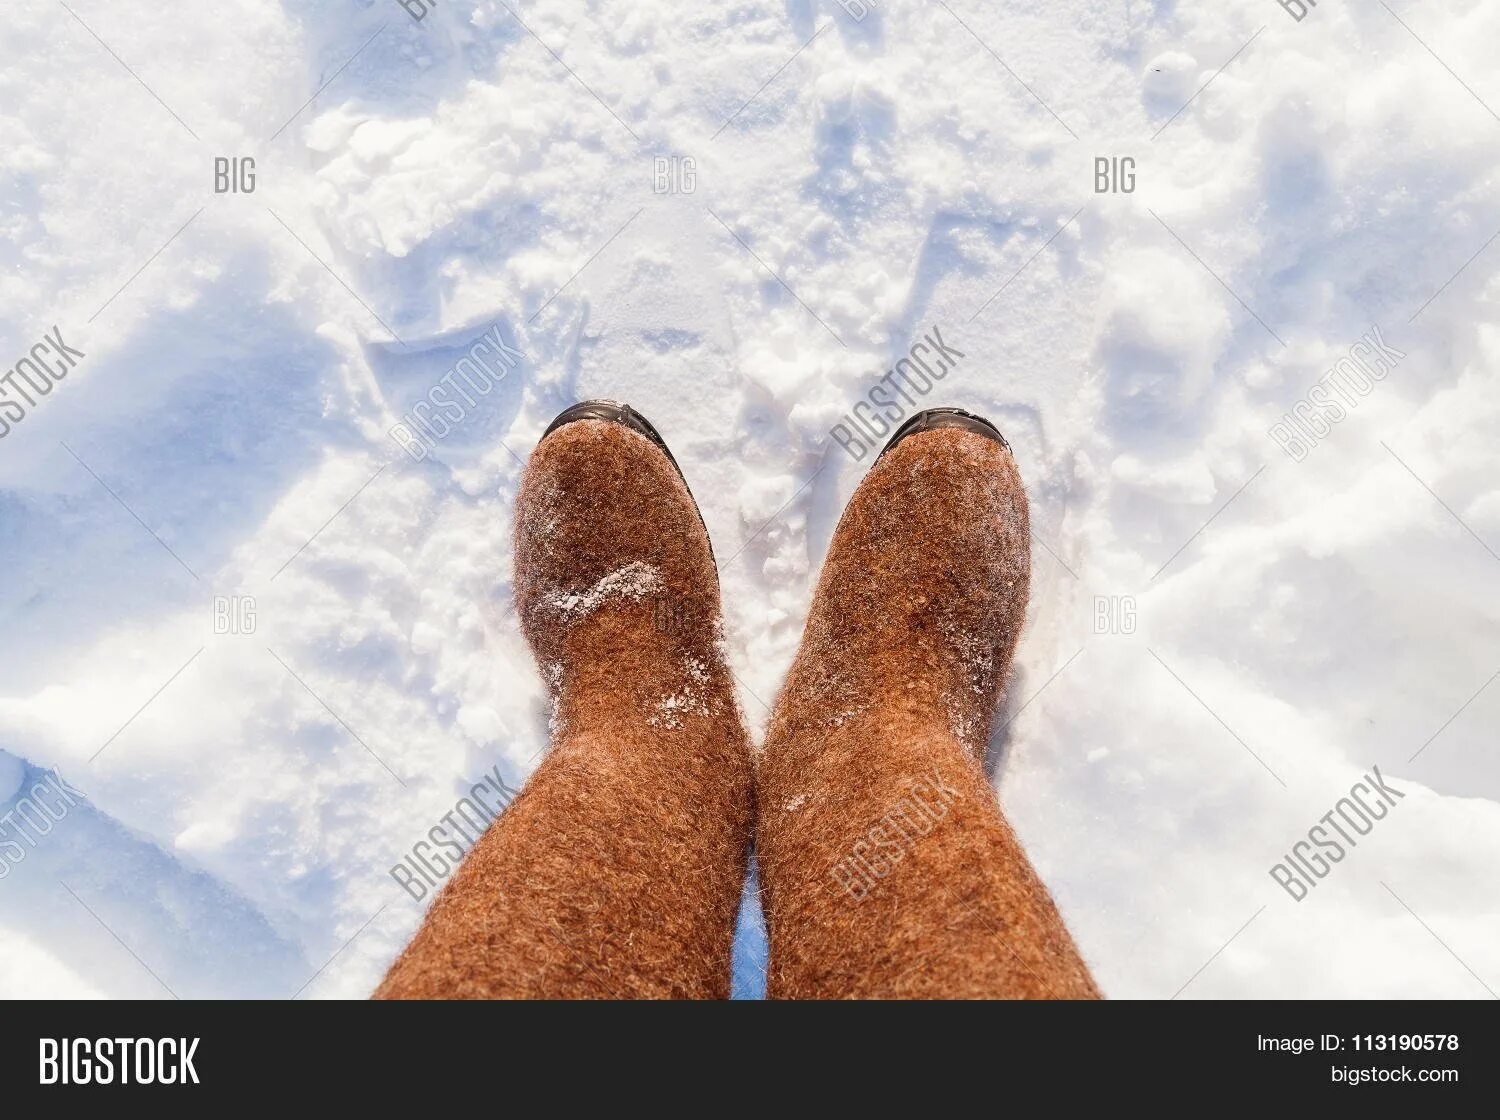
x=618 y=870
x=886 y=866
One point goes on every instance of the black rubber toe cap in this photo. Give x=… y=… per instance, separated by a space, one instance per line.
x=934 y=418
x=616 y=413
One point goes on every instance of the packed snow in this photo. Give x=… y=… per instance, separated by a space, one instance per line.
x=257 y=607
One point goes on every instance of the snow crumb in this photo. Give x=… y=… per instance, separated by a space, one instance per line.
x=689 y=701
x=838 y=718
x=633 y=582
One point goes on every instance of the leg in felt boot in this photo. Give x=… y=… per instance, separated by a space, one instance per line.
x=618 y=870
x=888 y=870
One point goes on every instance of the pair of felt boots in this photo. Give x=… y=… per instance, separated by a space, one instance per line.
x=885 y=865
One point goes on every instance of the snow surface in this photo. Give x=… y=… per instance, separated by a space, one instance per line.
x=226 y=434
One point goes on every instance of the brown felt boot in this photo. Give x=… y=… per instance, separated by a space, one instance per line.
x=887 y=868
x=618 y=870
